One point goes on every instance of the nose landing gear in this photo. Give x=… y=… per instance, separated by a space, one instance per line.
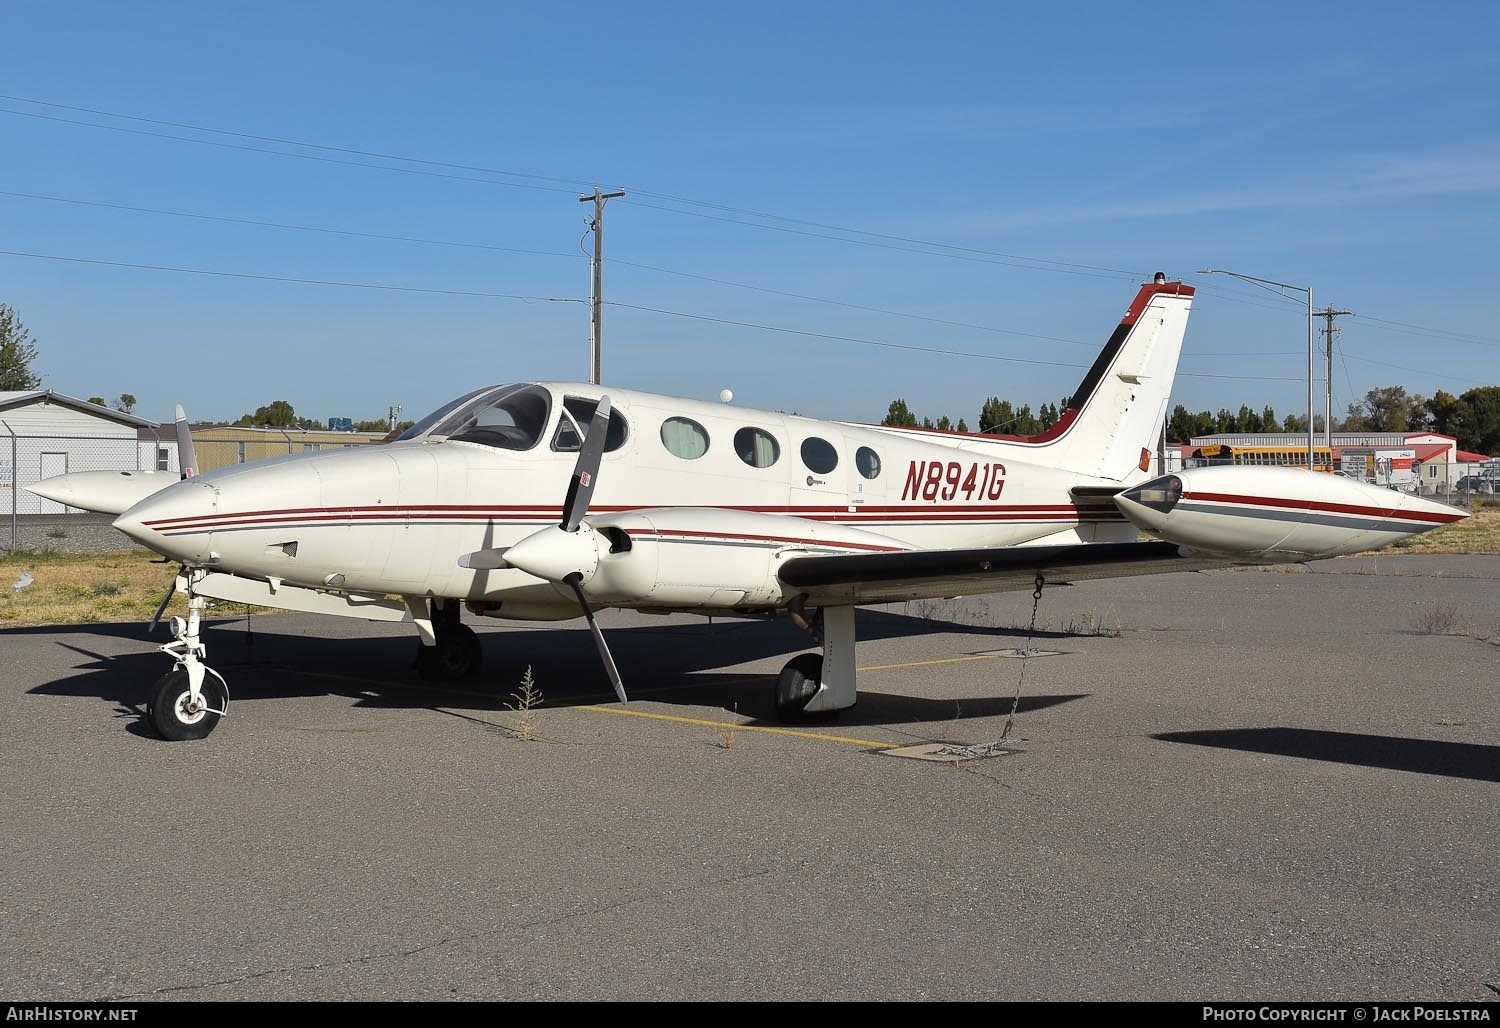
x=185 y=703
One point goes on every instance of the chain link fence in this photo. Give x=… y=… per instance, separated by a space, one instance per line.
x=31 y=522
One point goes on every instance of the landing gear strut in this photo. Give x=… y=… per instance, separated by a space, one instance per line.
x=813 y=687
x=185 y=702
x=454 y=652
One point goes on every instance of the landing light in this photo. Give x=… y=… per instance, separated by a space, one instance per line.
x=1159 y=494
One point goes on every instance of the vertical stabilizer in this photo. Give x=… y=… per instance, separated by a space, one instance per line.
x=1119 y=408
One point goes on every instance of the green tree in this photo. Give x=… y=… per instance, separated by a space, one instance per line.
x=944 y=424
x=276 y=414
x=1478 y=423
x=126 y=403
x=98 y=401
x=17 y=352
x=900 y=415
x=1383 y=409
x=1268 y=420
x=996 y=415
x=961 y=426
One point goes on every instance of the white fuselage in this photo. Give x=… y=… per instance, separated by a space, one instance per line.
x=395 y=518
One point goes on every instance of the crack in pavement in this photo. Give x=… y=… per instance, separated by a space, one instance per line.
x=367 y=958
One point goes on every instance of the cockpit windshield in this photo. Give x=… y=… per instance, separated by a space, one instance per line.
x=511 y=417
x=422 y=427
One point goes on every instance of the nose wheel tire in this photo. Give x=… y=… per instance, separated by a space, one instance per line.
x=173 y=713
x=457 y=655
x=796 y=686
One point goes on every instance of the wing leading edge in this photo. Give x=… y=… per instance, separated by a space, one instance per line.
x=921 y=574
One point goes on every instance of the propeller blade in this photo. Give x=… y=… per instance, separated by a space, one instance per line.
x=162 y=606
x=485 y=560
x=586 y=470
x=609 y=662
x=187 y=457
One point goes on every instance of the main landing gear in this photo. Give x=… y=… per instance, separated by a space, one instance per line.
x=813 y=687
x=185 y=702
x=449 y=650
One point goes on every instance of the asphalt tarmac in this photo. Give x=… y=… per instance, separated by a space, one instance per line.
x=1259 y=785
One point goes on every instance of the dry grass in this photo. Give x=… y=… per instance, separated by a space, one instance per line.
x=76 y=588
x=528 y=697
x=1438 y=619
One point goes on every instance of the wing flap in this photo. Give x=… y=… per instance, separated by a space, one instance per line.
x=921 y=574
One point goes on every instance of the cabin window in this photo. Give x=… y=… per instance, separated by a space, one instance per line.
x=868 y=462
x=757 y=447
x=819 y=455
x=684 y=438
x=573 y=425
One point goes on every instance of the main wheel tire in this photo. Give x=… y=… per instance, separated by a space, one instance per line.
x=456 y=655
x=796 y=685
x=170 y=709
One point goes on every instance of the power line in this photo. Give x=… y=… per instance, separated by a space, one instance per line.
x=290 y=142
x=896 y=346
x=547 y=253
x=294 y=280
x=1442 y=333
x=869 y=238
x=285 y=225
x=282 y=153
x=855 y=306
x=389 y=287
x=992 y=257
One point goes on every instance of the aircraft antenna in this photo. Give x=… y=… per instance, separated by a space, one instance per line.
x=596 y=300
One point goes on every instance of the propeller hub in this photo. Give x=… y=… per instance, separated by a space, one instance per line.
x=555 y=553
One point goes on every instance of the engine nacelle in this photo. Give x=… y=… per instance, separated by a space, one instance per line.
x=686 y=557
x=1277 y=514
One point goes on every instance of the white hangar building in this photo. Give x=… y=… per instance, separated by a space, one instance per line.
x=43 y=433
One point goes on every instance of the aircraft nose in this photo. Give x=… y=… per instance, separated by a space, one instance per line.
x=173 y=522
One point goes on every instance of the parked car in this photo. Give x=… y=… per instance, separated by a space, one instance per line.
x=1477 y=484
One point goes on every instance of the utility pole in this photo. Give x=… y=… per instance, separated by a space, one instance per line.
x=597 y=226
x=390 y=413
x=1328 y=313
x=1282 y=287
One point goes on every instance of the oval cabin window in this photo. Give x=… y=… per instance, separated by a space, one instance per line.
x=757 y=447
x=684 y=438
x=819 y=455
x=868 y=462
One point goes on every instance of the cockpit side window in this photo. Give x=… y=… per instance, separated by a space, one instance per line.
x=573 y=425
x=514 y=420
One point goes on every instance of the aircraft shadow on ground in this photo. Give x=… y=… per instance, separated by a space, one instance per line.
x=672 y=663
x=1422 y=756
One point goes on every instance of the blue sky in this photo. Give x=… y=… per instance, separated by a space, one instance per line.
x=1355 y=149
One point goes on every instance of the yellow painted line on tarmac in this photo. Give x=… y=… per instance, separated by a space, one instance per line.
x=820 y=736
x=929 y=663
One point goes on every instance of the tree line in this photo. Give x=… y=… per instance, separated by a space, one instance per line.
x=1472 y=417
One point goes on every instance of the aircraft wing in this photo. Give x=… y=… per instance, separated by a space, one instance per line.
x=922 y=574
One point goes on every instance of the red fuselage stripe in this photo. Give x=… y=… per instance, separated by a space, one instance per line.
x=1334 y=508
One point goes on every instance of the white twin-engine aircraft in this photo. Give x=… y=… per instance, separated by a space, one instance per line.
x=680 y=505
